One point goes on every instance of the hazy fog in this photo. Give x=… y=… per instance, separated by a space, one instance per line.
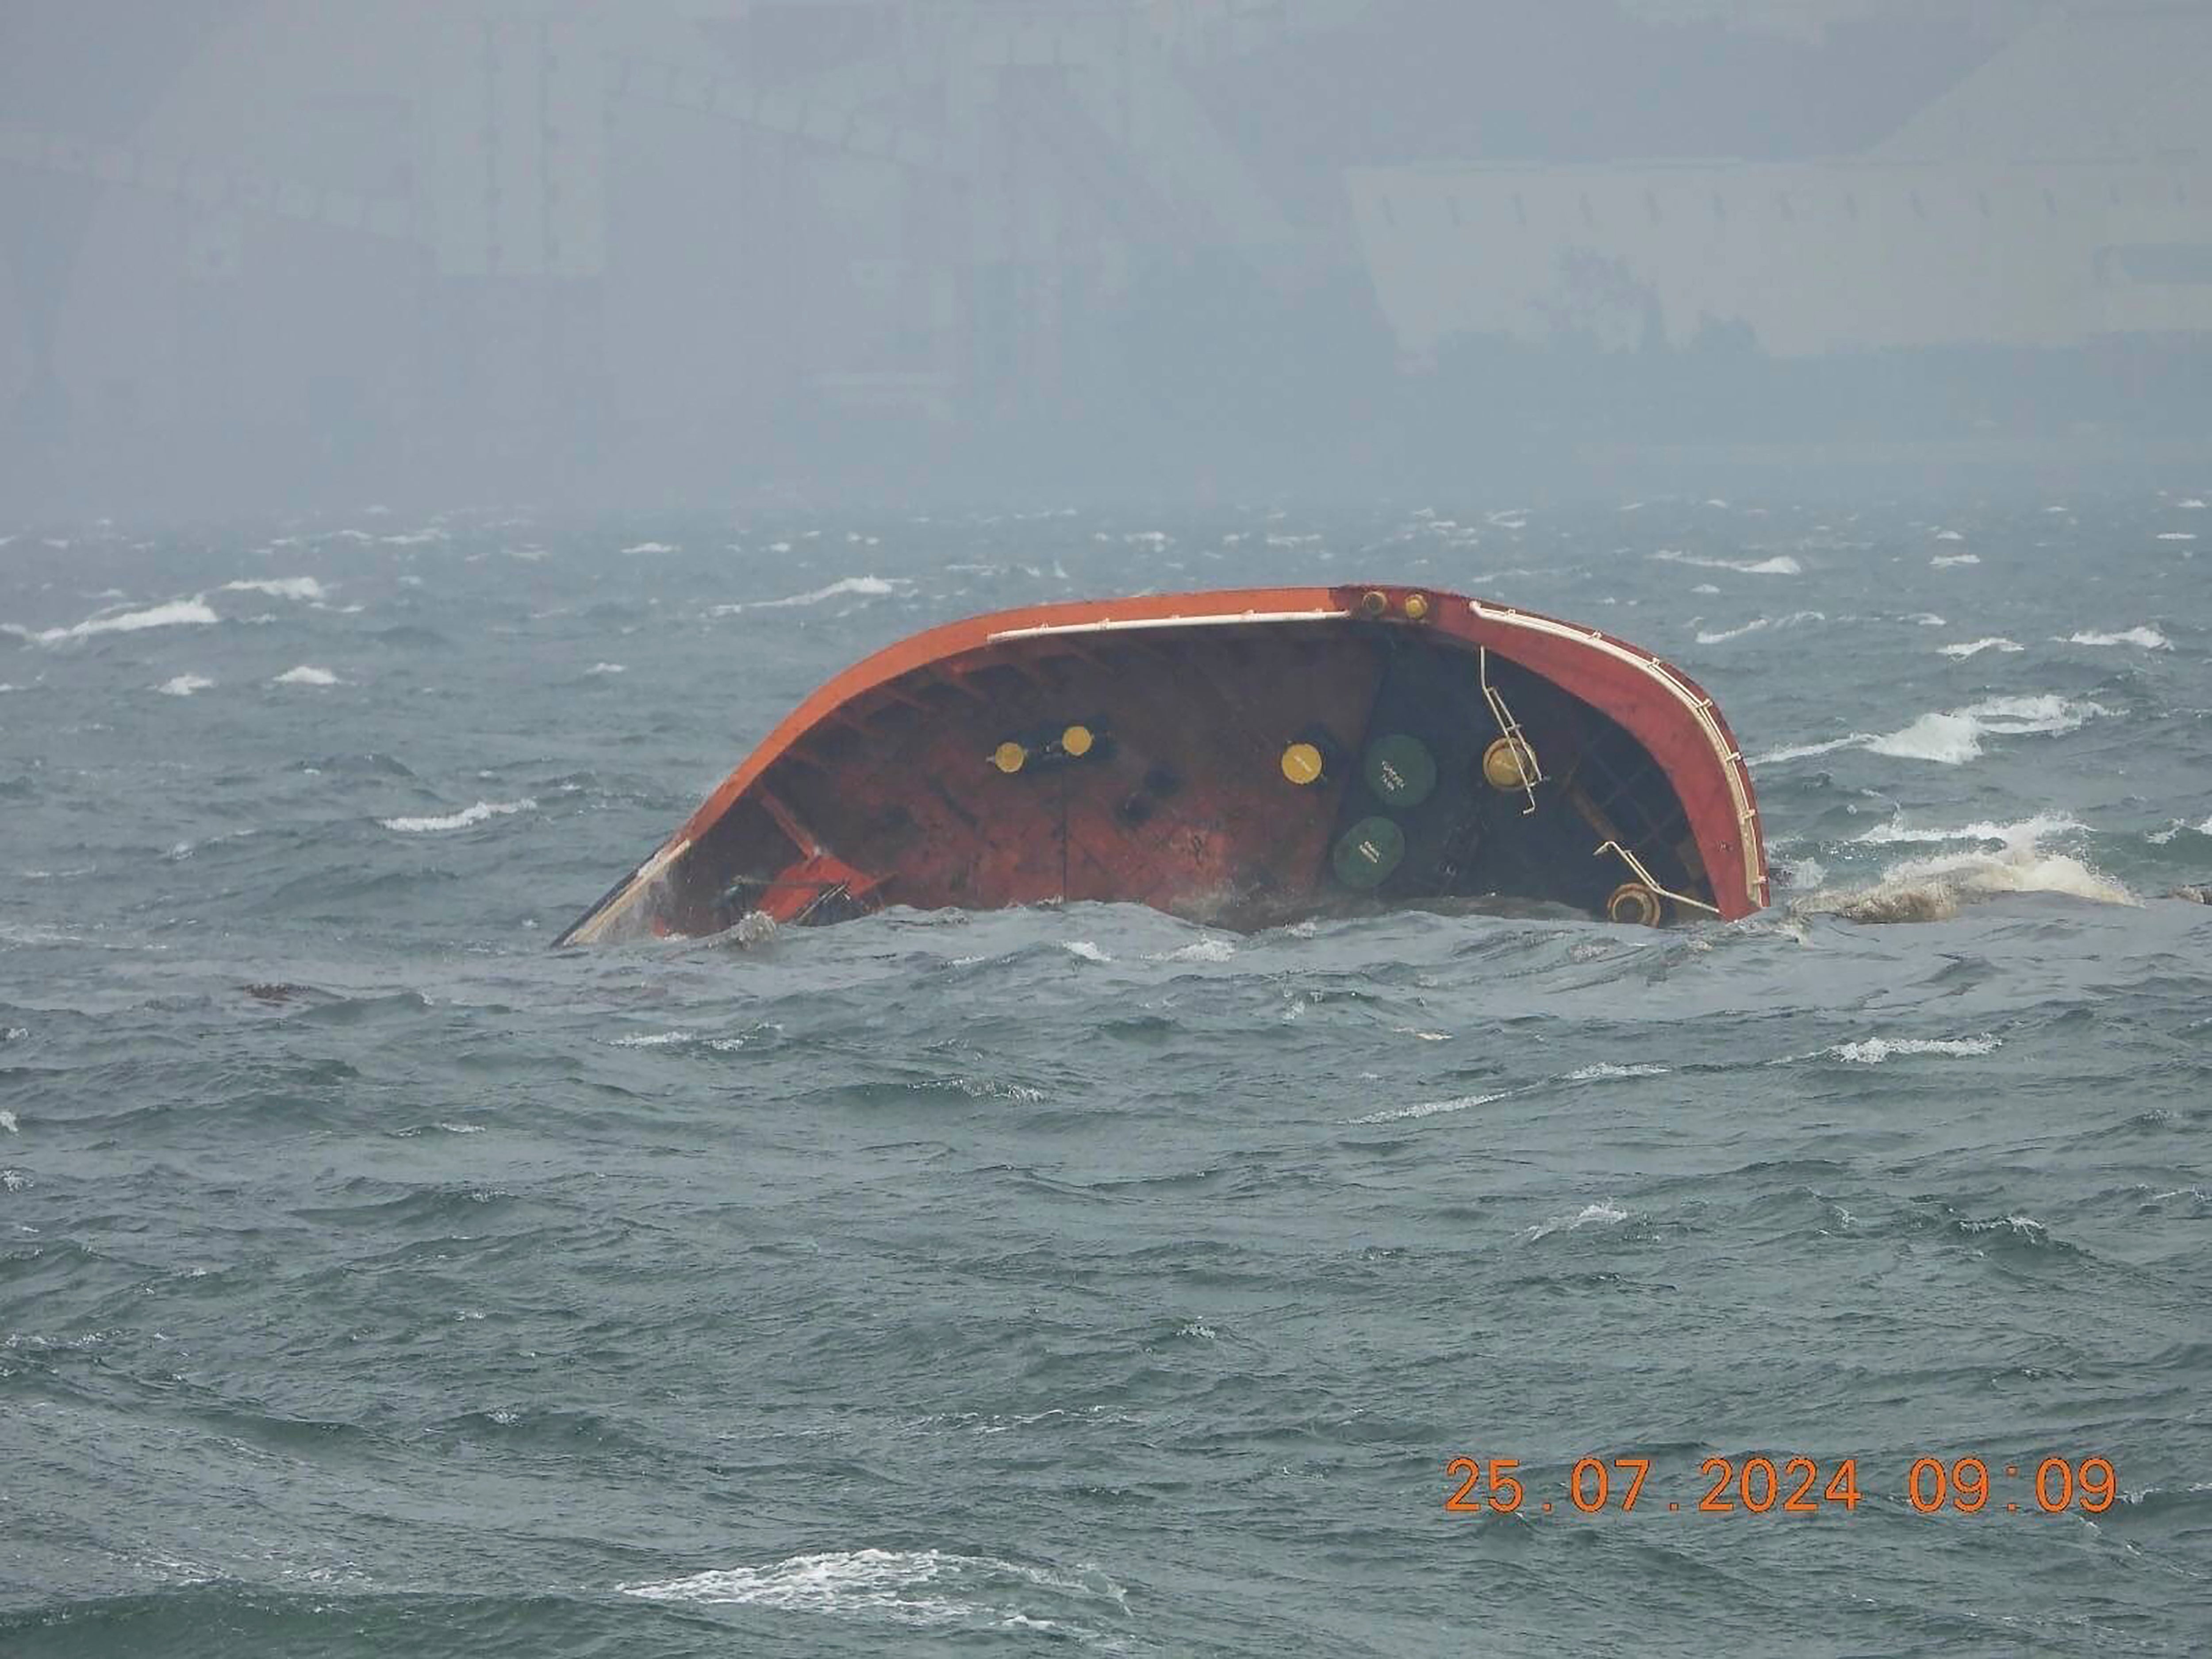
x=276 y=252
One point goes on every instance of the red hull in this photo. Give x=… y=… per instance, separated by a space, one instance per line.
x=1245 y=757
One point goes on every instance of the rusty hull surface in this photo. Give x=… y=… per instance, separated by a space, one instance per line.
x=880 y=788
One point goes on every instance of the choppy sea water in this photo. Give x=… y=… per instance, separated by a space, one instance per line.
x=374 y=1281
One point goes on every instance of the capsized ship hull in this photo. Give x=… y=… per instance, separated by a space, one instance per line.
x=1245 y=758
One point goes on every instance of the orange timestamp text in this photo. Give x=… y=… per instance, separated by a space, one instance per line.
x=1760 y=1484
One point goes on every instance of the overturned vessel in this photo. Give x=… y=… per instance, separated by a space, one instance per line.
x=1244 y=758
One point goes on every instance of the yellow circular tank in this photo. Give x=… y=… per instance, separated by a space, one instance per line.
x=1009 y=757
x=1632 y=902
x=1301 y=764
x=1077 y=740
x=1507 y=763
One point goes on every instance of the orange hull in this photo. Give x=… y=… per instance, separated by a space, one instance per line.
x=1246 y=758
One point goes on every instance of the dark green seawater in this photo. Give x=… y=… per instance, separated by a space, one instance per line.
x=1084 y=1280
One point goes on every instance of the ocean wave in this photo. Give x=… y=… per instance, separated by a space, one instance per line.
x=1603 y=1213
x=652 y=547
x=1780 y=565
x=1760 y=624
x=176 y=613
x=2025 y=832
x=1872 y=1051
x=1427 y=1109
x=2149 y=638
x=1204 y=950
x=865 y=587
x=652 y=1040
x=1606 y=1069
x=281 y=587
x=305 y=674
x=1934 y=888
x=462 y=819
x=927 y=1587
x=1943 y=559
x=184 y=685
x=1975 y=648
x=1953 y=737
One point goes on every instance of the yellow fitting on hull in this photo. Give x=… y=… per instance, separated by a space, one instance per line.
x=1508 y=763
x=1632 y=902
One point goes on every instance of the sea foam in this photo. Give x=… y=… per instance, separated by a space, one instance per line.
x=460 y=820
x=1872 y=1051
x=1934 y=887
x=176 y=613
x=1760 y=624
x=867 y=587
x=281 y=587
x=1780 y=565
x=2149 y=638
x=925 y=1586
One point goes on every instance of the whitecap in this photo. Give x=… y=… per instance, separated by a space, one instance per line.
x=606 y=668
x=2149 y=638
x=650 y=547
x=176 y=613
x=1780 y=565
x=1933 y=889
x=1975 y=648
x=1807 y=871
x=1427 y=1109
x=1807 y=751
x=1084 y=949
x=462 y=819
x=1204 y=950
x=305 y=674
x=1603 y=1213
x=281 y=587
x=1606 y=1069
x=1954 y=736
x=869 y=587
x=1943 y=559
x=2023 y=1226
x=1872 y=1051
x=650 y=1040
x=914 y=1587
x=1948 y=535
x=2177 y=535
x=184 y=685
x=7 y=1122
x=1759 y=624
x=2025 y=832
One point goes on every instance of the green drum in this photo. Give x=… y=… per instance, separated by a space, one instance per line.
x=1367 y=853
x=1400 y=769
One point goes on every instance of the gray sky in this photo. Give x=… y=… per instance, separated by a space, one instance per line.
x=263 y=253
